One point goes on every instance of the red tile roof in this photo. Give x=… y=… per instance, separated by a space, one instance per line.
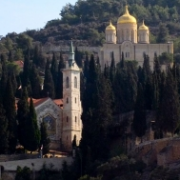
x=59 y=102
x=36 y=102
x=20 y=63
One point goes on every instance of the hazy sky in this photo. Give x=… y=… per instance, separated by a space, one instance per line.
x=20 y=15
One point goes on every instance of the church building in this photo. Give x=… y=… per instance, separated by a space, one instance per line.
x=63 y=116
x=131 y=40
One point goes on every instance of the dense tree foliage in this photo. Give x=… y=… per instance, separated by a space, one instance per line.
x=32 y=134
x=86 y=21
x=44 y=142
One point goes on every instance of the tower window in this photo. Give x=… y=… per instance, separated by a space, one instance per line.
x=75 y=100
x=75 y=118
x=75 y=82
x=67 y=119
x=67 y=100
x=67 y=82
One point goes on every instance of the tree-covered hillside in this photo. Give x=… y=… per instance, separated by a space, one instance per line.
x=86 y=21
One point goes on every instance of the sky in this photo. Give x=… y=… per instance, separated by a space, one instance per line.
x=21 y=15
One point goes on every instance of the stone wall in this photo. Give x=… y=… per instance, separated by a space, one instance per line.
x=162 y=151
x=55 y=48
x=4 y=158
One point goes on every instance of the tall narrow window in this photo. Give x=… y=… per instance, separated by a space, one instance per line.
x=75 y=100
x=67 y=82
x=67 y=119
x=75 y=119
x=75 y=82
x=67 y=100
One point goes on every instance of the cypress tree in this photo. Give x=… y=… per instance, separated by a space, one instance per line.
x=13 y=79
x=170 y=107
x=146 y=67
x=156 y=82
x=38 y=58
x=35 y=83
x=48 y=83
x=4 y=77
x=32 y=131
x=97 y=114
x=148 y=93
x=9 y=106
x=125 y=89
x=25 y=75
x=22 y=115
x=44 y=138
x=78 y=57
x=54 y=72
x=122 y=61
x=3 y=131
x=139 y=120
x=59 y=83
x=86 y=66
x=112 y=67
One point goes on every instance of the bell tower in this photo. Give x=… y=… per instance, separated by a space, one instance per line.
x=72 y=124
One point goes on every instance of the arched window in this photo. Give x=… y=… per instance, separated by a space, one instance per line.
x=75 y=118
x=67 y=119
x=75 y=82
x=67 y=82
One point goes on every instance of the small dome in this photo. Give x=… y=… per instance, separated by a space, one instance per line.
x=126 y=17
x=110 y=27
x=143 y=27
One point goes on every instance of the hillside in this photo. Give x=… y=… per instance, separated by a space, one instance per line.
x=86 y=22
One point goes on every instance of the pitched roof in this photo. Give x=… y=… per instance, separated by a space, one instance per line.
x=37 y=102
x=58 y=102
x=20 y=63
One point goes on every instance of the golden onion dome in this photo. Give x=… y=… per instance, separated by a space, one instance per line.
x=110 y=27
x=126 y=17
x=143 y=27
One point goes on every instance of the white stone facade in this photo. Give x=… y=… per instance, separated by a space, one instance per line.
x=51 y=114
x=72 y=124
x=131 y=40
x=63 y=117
x=132 y=52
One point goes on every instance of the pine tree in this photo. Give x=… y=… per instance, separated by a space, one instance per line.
x=9 y=106
x=139 y=120
x=32 y=131
x=3 y=131
x=48 y=82
x=44 y=138
x=59 y=85
x=22 y=115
